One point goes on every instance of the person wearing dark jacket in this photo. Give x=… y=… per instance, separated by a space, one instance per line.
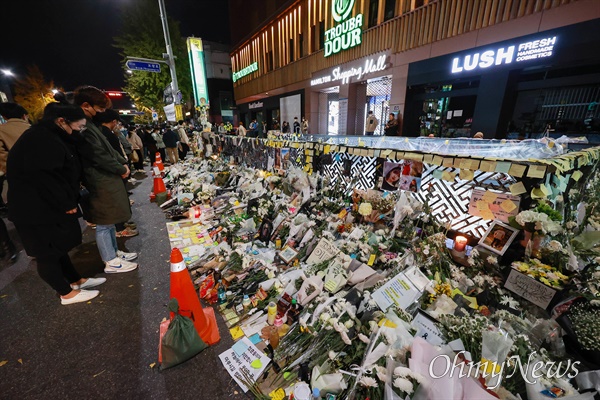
x=149 y=144
x=171 y=139
x=103 y=171
x=391 y=127
x=44 y=175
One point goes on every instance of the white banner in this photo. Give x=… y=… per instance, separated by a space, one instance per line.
x=170 y=112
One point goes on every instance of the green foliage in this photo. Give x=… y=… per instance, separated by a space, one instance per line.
x=142 y=36
x=33 y=92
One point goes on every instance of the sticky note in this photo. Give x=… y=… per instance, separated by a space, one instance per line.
x=466 y=174
x=255 y=339
x=517 y=189
x=474 y=165
x=463 y=163
x=502 y=167
x=236 y=333
x=386 y=153
x=577 y=175
x=448 y=176
x=240 y=347
x=487 y=214
x=437 y=160
x=428 y=158
x=482 y=205
x=508 y=206
x=489 y=197
x=545 y=190
x=537 y=193
x=517 y=170
x=536 y=171
x=487 y=166
x=437 y=174
x=448 y=162
x=372 y=260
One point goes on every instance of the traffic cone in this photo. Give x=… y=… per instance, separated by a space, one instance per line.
x=158 y=162
x=159 y=193
x=182 y=288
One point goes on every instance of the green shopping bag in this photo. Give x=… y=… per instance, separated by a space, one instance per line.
x=181 y=342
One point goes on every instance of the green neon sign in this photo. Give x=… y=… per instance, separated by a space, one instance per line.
x=246 y=71
x=347 y=33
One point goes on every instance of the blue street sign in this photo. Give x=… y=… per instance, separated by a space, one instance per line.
x=143 y=66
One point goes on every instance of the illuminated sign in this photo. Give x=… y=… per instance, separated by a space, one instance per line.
x=526 y=51
x=196 y=55
x=347 y=33
x=115 y=94
x=246 y=71
x=254 y=106
x=370 y=66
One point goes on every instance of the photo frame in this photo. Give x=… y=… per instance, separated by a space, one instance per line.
x=287 y=254
x=498 y=237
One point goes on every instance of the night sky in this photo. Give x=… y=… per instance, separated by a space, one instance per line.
x=71 y=40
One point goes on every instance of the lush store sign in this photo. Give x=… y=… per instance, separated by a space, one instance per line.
x=356 y=73
x=246 y=71
x=526 y=51
x=347 y=33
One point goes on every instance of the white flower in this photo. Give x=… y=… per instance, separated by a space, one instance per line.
x=345 y=338
x=365 y=209
x=554 y=246
x=332 y=355
x=404 y=385
x=471 y=261
x=474 y=253
x=349 y=324
x=570 y=224
x=367 y=381
x=381 y=373
x=325 y=317
x=363 y=338
x=492 y=260
x=402 y=371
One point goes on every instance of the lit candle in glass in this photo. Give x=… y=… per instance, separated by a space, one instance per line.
x=460 y=242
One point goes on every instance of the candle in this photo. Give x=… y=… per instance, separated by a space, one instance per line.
x=460 y=242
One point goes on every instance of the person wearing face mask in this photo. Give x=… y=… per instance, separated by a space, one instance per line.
x=103 y=171
x=44 y=175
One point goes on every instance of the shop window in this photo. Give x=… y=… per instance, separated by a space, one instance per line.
x=390 y=7
x=291 y=48
x=321 y=35
x=373 y=11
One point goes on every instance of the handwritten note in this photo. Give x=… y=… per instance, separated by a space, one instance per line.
x=493 y=205
x=235 y=364
x=324 y=251
x=529 y=289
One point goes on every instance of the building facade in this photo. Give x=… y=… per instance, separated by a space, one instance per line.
x=443 y=67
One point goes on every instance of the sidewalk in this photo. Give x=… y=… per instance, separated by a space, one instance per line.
x=103 y=349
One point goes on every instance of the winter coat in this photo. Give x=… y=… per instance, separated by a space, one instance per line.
x=159 y=140
x=107 y=203
x=134 y=139
x=9 y=133
x=391 y=128
x=371 y=123
x=44 y=175
x=170 y=138
x=113 y=140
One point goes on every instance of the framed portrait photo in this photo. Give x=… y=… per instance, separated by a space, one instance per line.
x=498 y=237
x=287 y=254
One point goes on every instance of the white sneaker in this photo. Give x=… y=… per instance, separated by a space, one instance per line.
x=118 y=265
x=82 y=296
x=126 y=256
x=91 y=282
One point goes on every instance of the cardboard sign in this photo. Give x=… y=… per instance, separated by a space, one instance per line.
x=324 y=251
x=493 y=205
x=234 y=362
x=529 y=289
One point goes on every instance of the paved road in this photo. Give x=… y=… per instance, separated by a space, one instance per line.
x=101 y=350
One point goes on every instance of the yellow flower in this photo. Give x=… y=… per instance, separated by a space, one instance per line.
x=365 y=209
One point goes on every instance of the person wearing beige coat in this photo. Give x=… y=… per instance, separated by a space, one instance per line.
x=17 y=122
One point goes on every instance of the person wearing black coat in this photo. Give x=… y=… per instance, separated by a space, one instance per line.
x=44 y=188
x=171 y=139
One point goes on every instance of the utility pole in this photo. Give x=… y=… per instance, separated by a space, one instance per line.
x=169 y=55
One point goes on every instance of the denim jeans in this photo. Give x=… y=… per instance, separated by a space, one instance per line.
x=106 y=239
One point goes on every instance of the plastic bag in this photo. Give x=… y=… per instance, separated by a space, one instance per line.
x=181 y=342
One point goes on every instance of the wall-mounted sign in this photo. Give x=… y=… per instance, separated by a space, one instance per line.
x=246 y=71
x=525 y=51
x=353 y=73
x=347 y=33
x=196 y=56
x=255 y=105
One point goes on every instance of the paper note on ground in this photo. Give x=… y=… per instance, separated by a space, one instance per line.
x=235 y=364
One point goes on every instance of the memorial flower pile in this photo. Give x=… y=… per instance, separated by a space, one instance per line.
x=339 y=264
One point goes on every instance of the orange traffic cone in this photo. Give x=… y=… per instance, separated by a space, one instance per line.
x=182 y=289
x=158 y=162
x=159 y=193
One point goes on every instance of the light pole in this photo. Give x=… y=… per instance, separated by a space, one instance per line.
x=7 y=73
x=171 y=59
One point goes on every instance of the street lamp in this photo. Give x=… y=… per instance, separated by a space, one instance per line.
x=4 y=84
x=7 y=72
x=54 y=91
